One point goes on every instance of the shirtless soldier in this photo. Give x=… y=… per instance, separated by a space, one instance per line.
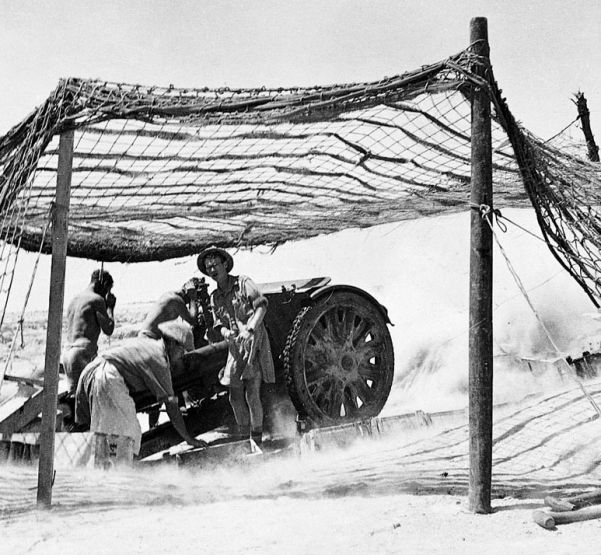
x=89 y=313
x=170 y=306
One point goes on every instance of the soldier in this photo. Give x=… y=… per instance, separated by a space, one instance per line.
x=239 y=309
x=104 y=400
x=170 y=306
x=88 y=313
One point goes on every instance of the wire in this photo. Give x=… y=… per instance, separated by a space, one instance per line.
x=9 y=356
x=486 y=212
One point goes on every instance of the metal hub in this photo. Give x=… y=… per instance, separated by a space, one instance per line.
x=348 y=362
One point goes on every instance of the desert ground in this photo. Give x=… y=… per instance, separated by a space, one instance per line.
x=360 y=499
x=405 y=491
x=402 y=491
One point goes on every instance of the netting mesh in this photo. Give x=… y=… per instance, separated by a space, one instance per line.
x=545 y=442
x=159 y=173
x=163 y=172
x=563 y=187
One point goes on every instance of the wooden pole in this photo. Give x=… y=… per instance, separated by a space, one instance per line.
x=60 y=219
x=480 y=317
x=584 y=114
x=548 y=519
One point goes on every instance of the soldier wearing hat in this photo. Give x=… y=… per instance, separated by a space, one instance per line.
x=239 y=309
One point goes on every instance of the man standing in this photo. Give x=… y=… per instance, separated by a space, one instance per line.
x=239 y=310
x=104 y=393
x=88 y=313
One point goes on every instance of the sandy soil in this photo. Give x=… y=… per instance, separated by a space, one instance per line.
x=394 y=494
x=394 y=523
x=401 y=494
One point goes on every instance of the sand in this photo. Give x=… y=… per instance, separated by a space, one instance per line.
x=397 y=495
x=393 y=523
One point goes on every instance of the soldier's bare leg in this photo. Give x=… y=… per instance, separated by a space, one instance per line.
x=240 y=408
x=253 y=399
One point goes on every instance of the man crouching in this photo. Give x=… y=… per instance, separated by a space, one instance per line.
x=104 y=392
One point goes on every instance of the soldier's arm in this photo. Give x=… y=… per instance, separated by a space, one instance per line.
x=188 y=315
x=176 y=418
x=257 y=317
x=104 y=315
x=259 y=302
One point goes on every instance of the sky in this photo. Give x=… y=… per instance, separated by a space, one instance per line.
x=542 y=52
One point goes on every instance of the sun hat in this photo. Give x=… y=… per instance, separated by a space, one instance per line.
x=226 y=256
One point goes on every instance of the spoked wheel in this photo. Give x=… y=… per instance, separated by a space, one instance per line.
x=339 y=360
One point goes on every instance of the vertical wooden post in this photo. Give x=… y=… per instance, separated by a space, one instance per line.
x=480 y=318
x=584 y=114
x=60 y=219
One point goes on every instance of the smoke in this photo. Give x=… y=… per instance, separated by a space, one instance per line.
x=419 y=270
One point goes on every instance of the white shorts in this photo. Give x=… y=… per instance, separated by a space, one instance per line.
x=113 y=411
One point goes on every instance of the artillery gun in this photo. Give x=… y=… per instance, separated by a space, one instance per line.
x=332 y=353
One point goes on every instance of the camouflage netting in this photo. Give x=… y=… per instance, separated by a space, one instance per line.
x=163 y=172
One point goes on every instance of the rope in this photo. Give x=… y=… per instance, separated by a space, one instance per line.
x=563 y=130
x=486 y=215
x=21 y=320
x=567 y=253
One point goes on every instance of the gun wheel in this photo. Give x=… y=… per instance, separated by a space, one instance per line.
x=339 y=359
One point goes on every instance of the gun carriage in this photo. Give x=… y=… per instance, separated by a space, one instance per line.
x=332 y=353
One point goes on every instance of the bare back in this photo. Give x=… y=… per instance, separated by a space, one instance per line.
x=169 y=307
x=86 y=317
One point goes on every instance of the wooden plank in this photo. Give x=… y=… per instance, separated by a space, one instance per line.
x=19 y=411
x=23 y=379
x=575 y=502
x=24 y=414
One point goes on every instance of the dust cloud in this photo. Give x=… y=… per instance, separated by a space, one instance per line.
x=419 y=270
